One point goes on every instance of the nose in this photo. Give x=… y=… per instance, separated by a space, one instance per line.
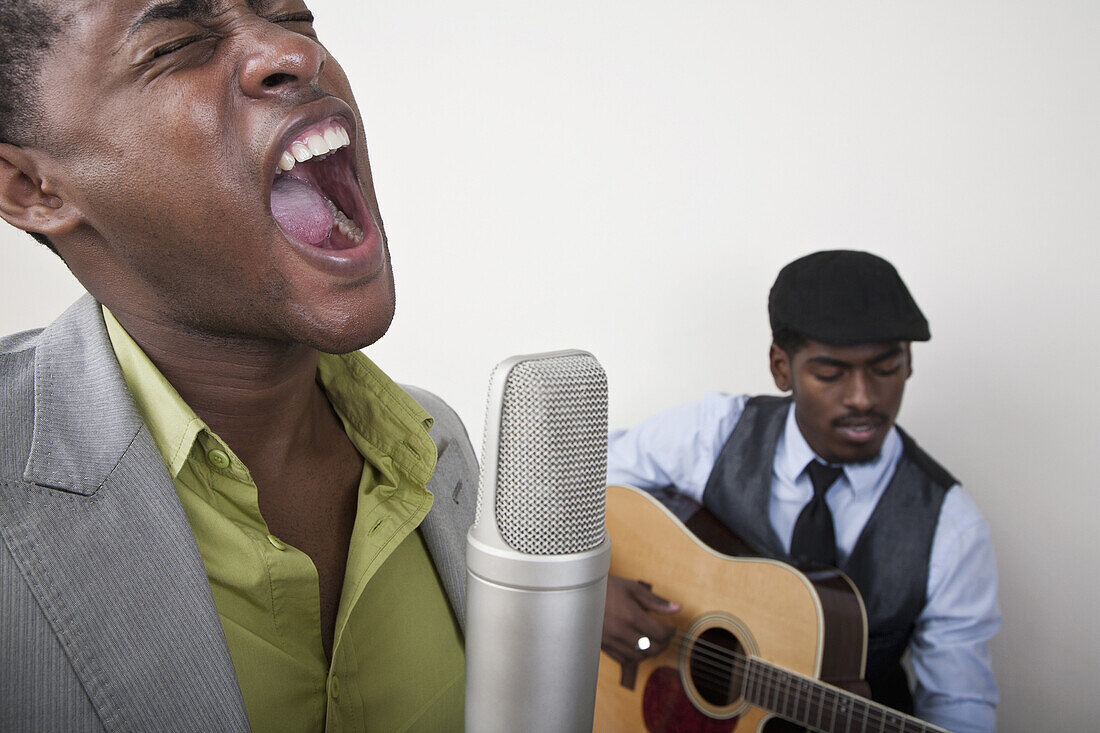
x=859 y=394
x=279 y=61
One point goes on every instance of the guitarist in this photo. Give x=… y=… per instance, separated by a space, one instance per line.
x=824 y=476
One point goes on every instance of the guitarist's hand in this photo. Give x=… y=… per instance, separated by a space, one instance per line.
x=628 y=615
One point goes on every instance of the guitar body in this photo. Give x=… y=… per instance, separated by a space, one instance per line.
x=732 y=607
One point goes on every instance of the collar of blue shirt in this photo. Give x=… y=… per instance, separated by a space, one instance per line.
x=793 y=454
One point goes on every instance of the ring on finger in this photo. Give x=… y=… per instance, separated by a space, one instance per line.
x=643 y=643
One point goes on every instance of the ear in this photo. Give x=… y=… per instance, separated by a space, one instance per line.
x=780 y=365
x=28 y=200
x=908 y=359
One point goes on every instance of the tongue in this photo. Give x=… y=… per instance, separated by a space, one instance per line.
x=300 y=210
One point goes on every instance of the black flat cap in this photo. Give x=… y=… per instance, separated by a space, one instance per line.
x=842 y=297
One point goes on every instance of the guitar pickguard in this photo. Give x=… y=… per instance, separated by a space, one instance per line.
x=666 y=708
x=769 y=611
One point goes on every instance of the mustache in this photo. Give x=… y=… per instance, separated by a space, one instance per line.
x=860 y=418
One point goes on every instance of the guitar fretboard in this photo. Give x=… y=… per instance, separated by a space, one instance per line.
x=821 y=707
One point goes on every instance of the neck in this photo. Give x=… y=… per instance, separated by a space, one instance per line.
x=260 y=396
x=820 y=706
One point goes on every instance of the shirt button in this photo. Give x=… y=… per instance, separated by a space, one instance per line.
x=334 y=687
x=218 y=458
x=277 y=543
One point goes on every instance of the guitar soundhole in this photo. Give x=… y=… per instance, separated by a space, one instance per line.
x=717 y=666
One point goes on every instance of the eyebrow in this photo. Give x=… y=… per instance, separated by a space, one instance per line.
x=172 y=10
x=183 y=10
x=840 y=364
x=888 y=354
x=826 y=361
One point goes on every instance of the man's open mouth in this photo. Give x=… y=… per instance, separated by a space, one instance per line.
x=859 y=429
x=315 y=196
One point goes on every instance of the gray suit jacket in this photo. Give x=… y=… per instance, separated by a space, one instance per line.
x=106 y=617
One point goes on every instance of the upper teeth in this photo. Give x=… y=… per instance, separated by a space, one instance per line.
x=314 y=145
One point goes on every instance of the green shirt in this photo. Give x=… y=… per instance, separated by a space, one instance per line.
x=397 y=660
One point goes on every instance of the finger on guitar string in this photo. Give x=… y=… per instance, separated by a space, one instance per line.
x=629 y=615
x=642 y=592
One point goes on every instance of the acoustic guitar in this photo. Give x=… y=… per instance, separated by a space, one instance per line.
x=760 y=645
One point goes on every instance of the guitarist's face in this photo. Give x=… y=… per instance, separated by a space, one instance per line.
x=846 y=398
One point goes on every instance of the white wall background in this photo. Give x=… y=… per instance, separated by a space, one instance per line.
x=628 y=177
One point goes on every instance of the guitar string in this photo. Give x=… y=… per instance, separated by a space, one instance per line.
x=773 y=683
x=886 y=720
x=719 y=660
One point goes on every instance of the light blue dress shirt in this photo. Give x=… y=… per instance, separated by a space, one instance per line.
x=949 y=649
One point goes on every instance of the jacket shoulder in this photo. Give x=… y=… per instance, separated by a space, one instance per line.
x=454 y=487
x=17 y=343
x=447 y=423
x=456 y=469
x=16 y=401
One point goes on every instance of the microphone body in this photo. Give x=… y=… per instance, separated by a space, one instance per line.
x=537 y=554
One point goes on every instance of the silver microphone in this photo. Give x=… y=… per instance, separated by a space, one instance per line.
x=537 y=554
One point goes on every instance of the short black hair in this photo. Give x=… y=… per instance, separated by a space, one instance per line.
x=27 y=28
x=790 y=341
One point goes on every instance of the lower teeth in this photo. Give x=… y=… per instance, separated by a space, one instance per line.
x=344 y=224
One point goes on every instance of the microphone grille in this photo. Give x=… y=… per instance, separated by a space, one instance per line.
x=552 y=459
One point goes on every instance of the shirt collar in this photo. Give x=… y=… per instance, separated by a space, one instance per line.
x=794 y=454
x=393 y=427
x=172 y=423
x=385 y=415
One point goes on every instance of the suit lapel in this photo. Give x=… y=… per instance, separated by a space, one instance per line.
x=103 y=542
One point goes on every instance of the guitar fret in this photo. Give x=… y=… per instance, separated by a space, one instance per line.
x=811 y=706
x=795 y=688
x=779 y=680
x=772 y=692
x=821 y=707
x=775 y=690
x=792 y=696
x=807 y=702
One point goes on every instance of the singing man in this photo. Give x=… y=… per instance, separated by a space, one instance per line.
x=216 y=514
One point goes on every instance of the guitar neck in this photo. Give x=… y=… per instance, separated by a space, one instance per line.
x=822 y=707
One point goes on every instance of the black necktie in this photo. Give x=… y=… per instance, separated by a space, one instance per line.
x=814 y=539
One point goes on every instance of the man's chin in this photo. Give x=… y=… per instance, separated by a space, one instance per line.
x=862 y=460
x=858 y=454
x=348 y=326
x=352 y=336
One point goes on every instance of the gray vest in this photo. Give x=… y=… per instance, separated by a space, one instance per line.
x=893 y=584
